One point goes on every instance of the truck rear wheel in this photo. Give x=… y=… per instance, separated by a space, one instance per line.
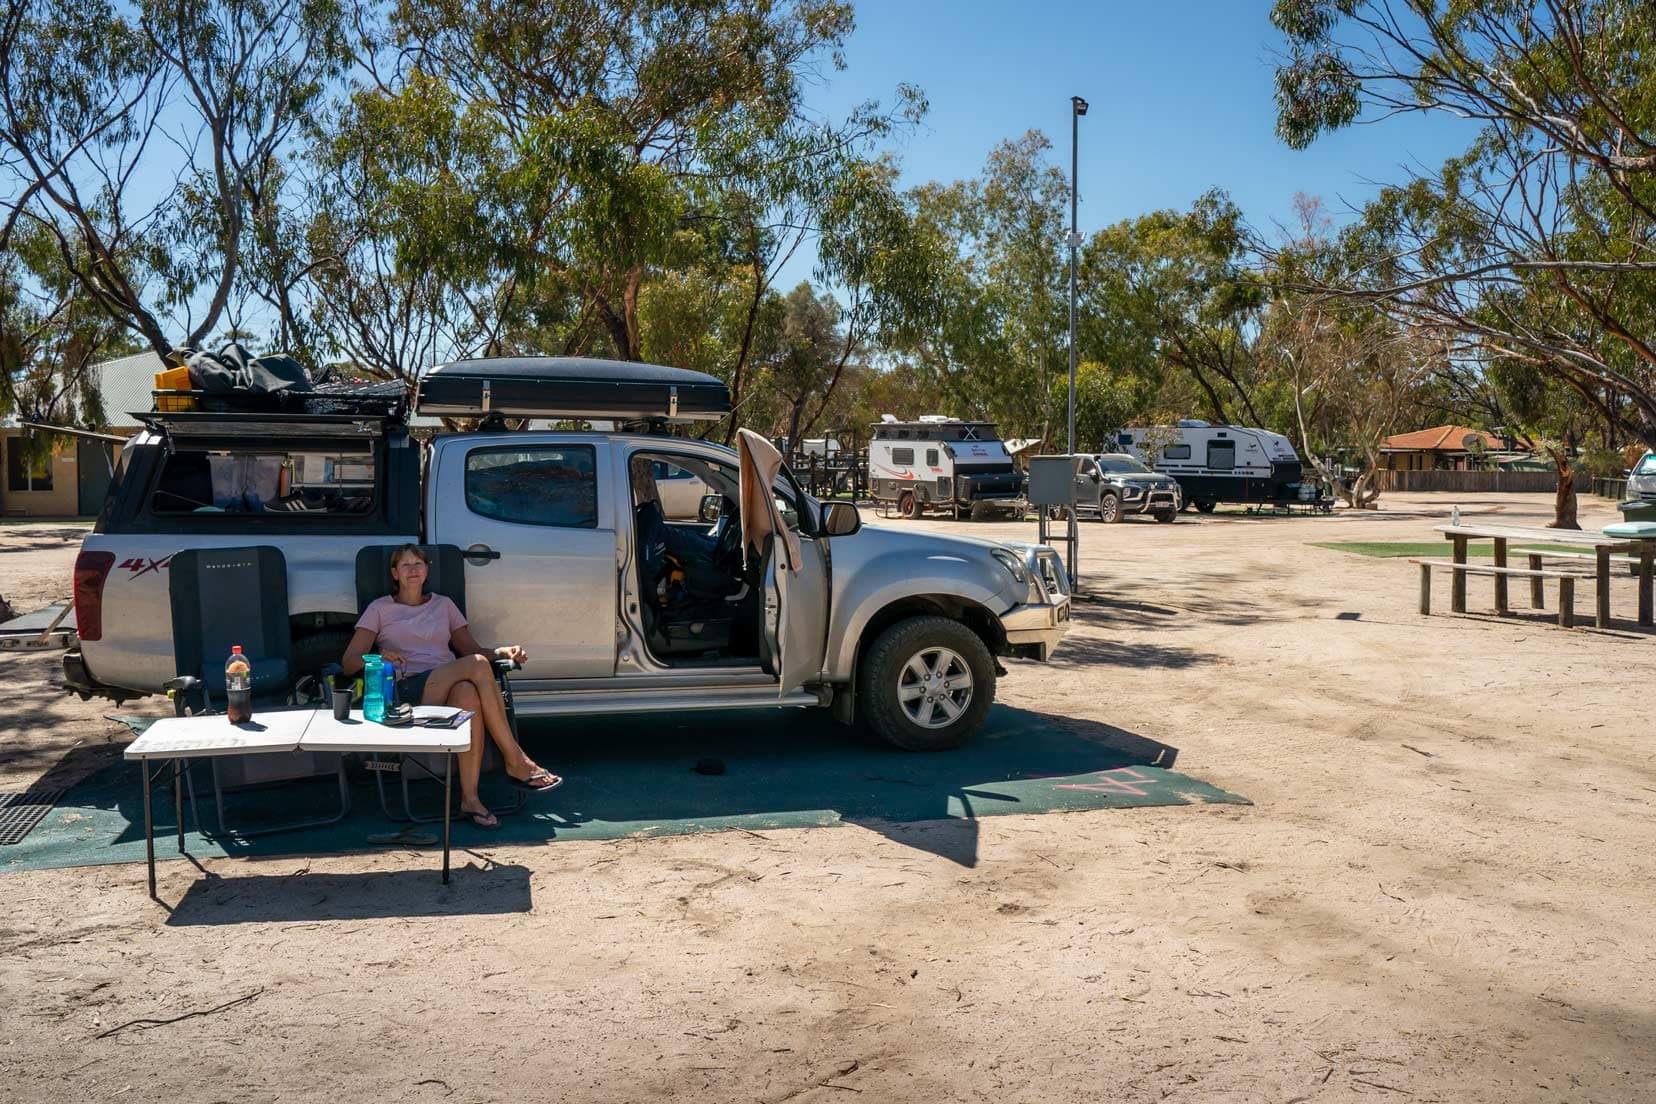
x=926 y=684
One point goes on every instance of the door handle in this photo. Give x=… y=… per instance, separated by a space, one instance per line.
x=479 y=554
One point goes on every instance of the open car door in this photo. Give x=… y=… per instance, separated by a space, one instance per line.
x=792 y=629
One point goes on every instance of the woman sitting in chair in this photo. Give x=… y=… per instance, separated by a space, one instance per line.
x=422 y=633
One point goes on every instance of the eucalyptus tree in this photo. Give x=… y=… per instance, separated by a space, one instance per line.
x=535 y=169
x=969 y=291
x=1173 y=296
x=1537 y=245
x=149 y=143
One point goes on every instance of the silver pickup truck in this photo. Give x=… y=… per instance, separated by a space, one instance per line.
x=563 y=555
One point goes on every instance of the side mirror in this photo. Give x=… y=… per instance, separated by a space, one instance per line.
x=841 y=519
x=711 y=506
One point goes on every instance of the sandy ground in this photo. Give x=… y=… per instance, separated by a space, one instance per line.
x=1441 y=893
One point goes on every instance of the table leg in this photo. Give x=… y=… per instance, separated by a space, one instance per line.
x=1457 y=584
x=1537 y=596
x=149 y=827
x=179 y=766
x=1500 y=580
x=1602 y=597
x=1645 y=550
x=448 y=774
x=1425 y=590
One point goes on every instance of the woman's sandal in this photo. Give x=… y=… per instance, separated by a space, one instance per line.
x=482 y=820
x=551 y=782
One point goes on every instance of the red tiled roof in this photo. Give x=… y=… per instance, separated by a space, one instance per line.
x=1445 y=438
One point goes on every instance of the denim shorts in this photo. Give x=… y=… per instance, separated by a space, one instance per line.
x=410 y=688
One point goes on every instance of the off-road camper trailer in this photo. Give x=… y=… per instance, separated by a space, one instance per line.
x=941 y=463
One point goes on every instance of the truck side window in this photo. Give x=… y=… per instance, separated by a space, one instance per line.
x=903 y=456
x=266 y=481
x=554 y=485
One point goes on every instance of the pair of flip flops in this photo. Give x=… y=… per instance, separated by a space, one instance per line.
x=546 y=779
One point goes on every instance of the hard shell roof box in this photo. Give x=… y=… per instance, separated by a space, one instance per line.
x=571 y=387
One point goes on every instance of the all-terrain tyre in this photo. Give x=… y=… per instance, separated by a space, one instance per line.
x=909 y=505
x=1109 y=507
x=1167 y=516
x=1206 y=507
x=926 y=684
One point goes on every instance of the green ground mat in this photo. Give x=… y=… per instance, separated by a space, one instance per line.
x=636 y=776
x=1431 y=550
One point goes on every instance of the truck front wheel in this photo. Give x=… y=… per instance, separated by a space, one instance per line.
x=926 y=684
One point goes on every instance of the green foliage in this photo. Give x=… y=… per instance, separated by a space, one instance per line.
x=1105 y=401
x=1170 y=299
x=1531 y=256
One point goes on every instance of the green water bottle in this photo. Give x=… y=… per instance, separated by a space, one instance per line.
x=373 y=688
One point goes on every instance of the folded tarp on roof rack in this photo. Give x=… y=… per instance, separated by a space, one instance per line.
x=571 y=387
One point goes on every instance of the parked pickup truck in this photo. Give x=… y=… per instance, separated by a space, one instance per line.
x=894 y=628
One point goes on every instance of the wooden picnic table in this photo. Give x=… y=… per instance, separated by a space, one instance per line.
x=1603 y=547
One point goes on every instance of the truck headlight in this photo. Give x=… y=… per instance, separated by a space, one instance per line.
x=1013 y=563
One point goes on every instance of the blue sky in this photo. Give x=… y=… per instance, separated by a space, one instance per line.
x=1180 y=94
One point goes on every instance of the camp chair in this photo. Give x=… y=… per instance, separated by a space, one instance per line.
x=222 y=597
x=446 y=576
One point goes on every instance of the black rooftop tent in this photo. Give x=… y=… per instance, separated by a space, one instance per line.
x=571 y=387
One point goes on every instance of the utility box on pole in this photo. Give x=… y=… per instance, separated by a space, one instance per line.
x=1052 y=487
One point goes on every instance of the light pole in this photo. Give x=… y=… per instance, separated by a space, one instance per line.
x=1078 y=108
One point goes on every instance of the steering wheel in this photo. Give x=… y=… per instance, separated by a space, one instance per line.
x=727 y=546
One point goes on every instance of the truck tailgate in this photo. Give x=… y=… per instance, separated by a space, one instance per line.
x=52 y=627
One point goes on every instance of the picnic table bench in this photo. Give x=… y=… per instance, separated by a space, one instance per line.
x=1566 y=585
x=1602 y=548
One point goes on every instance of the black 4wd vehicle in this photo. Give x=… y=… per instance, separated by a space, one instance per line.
x=1112 y=485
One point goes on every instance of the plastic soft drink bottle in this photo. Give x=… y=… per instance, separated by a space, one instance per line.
x=238 y=687
x=373 y=688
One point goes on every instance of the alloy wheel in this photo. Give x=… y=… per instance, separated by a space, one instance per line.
x=935 y=687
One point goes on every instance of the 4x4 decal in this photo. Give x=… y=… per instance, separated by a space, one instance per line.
x=140 y=566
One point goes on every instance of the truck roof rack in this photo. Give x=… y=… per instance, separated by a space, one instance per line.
x=386 y=400
x=232 y=425
x=571 y=387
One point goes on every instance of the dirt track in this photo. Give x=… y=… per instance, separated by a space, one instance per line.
x=1441 y=892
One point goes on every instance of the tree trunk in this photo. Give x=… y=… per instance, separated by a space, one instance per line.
x=1564 y=498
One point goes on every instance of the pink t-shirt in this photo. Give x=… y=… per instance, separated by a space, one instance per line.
x=421 y=633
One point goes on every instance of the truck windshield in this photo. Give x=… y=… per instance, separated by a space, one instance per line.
x=1124 y=465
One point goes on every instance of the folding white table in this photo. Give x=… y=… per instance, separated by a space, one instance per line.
x=327 y=733
x=180 y=739
x=177 y=740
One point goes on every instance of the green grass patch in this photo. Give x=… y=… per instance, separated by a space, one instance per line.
x=1432 y=549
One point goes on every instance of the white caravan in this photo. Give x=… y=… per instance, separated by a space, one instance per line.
x=1215 y=464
